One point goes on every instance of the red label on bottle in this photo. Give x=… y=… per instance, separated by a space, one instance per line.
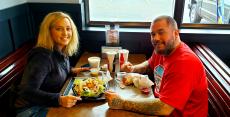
x=122 y=59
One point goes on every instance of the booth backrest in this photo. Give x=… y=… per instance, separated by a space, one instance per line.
x=218 y=77
x=11 y=70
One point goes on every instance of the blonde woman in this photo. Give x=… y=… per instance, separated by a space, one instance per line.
x=48 y=67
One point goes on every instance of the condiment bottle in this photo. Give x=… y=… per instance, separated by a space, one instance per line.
x=122 y=59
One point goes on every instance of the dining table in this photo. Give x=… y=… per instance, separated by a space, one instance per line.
x=100 y=108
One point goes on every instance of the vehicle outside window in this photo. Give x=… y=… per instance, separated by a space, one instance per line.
x=209 y=10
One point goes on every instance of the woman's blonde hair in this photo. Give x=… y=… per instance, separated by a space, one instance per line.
x=44 y=37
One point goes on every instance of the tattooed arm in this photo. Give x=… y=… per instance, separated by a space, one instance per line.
x=145 y=106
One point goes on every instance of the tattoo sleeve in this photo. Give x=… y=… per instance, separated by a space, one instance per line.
x=116 y=104
x=147 y=106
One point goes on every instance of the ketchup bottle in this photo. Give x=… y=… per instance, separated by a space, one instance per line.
x=122 y=60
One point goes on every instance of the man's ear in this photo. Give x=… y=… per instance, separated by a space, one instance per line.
x=176 y=32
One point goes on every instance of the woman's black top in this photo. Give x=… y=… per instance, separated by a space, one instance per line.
x=43 y=78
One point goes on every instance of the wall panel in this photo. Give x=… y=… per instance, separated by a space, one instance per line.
x=20 y=30
x=15 y=28
x=6 y=45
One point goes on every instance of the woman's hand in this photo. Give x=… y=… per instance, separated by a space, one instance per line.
x=127 y=67
x=76 y=70
x=68 y=101
x=114 y=100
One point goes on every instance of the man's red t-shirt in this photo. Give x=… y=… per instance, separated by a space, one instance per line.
x=181 y=82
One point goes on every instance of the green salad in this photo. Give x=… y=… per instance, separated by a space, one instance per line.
x=89 y=87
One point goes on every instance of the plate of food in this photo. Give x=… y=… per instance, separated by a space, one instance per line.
x=142 y=82
x=88 y=88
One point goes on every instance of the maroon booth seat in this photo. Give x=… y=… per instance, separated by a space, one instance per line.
x=11 y=70
x=218 y=76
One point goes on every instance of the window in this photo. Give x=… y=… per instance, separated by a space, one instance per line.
x=209 y=13
x=126 y=12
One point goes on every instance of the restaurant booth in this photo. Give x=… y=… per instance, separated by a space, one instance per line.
x=19 y=25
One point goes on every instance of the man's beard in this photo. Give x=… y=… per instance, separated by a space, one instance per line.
x=168 y=48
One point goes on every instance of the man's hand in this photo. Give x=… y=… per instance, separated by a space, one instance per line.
x=114 y=100
x=68 y=101
x=127 y=67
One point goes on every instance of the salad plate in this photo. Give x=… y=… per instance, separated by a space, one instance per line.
x=88 y=88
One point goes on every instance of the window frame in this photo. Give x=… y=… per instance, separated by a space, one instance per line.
x=178 y=16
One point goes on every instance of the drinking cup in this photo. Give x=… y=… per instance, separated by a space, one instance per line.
x=94 y=62
x=125 y=53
